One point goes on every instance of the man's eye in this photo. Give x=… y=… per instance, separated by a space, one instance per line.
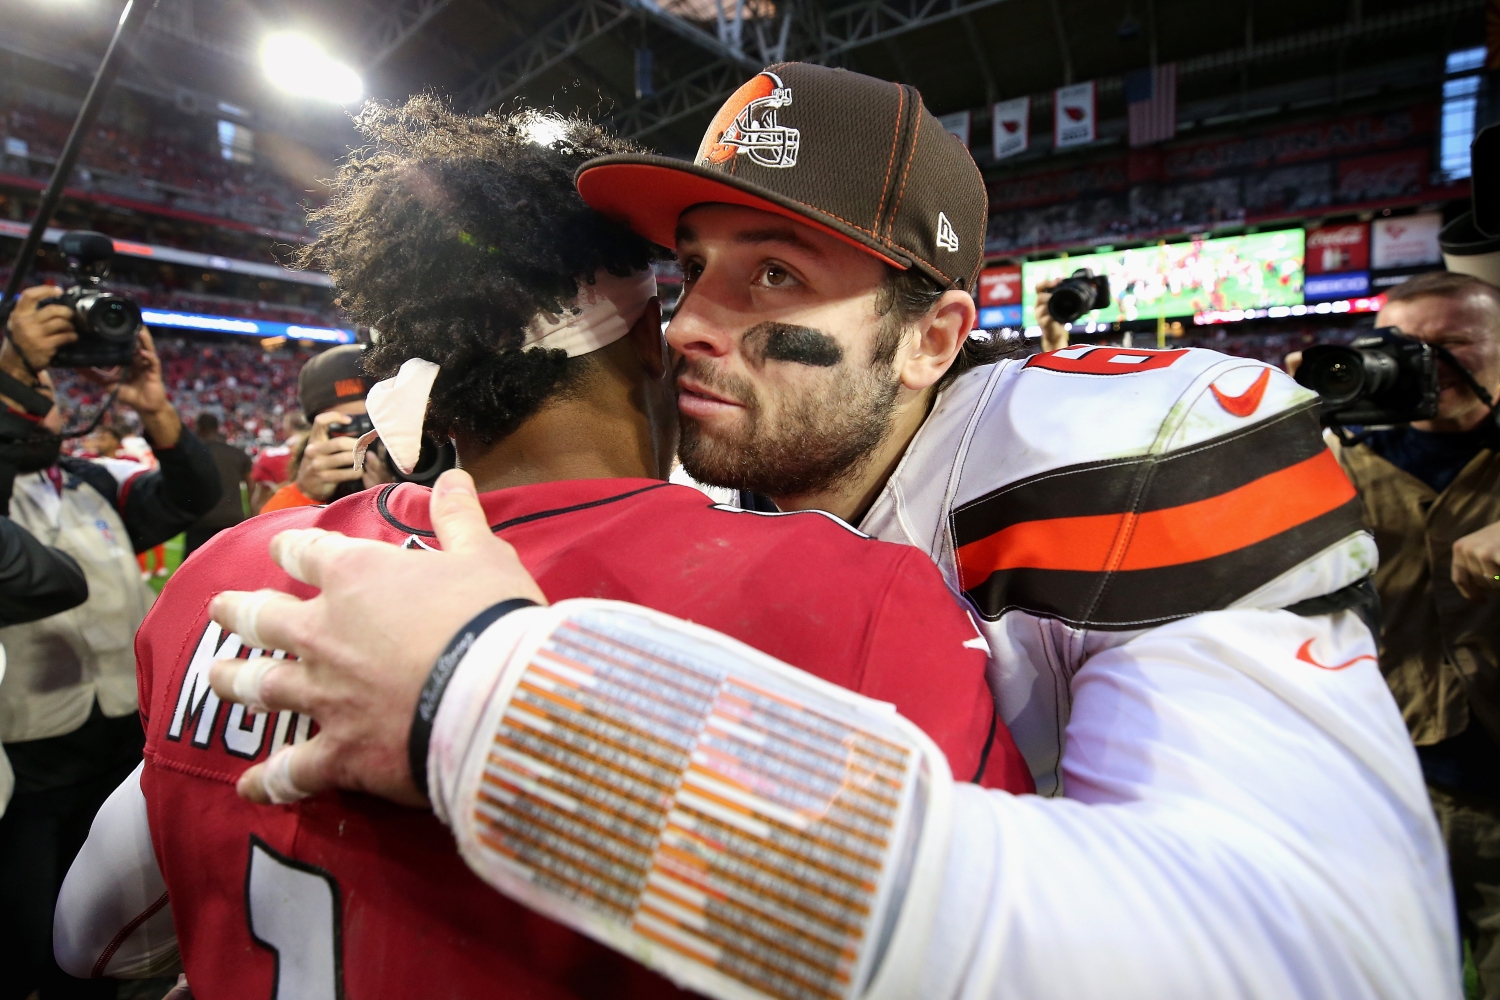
x=776 y=276
x=692 y=270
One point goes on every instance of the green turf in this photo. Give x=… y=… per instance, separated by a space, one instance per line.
x=174 y=559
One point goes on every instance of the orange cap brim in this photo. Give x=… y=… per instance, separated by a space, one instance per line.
x=650 y=193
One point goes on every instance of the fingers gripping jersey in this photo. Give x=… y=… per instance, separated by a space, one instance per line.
x=1082 y=496
x=348 y=896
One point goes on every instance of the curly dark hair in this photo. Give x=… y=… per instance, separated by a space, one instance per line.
x=447 y=233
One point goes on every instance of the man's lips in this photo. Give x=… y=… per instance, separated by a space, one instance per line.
x=693 y=400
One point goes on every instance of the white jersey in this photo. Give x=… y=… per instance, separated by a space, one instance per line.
x=1083 y=496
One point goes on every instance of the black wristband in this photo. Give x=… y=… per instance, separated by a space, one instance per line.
x=418 y=742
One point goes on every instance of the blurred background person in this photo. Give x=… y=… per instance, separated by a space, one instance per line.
x=102 y=442
x=234 y=480
x=1431 y=493
x=270 y=470
x=68 y=710
x=331 y=389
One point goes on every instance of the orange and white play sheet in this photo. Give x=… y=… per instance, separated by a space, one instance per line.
x=736 y=824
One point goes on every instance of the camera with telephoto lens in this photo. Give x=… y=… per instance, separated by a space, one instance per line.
x=1384 y=378
x=106 y=324
x=1083 y=291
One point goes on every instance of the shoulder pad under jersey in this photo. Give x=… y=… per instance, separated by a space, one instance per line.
x=1118 y=488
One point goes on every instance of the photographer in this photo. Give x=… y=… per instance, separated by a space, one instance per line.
x=331 y=389
x=68 y=711
x=1054 y=334
x=1431 y=493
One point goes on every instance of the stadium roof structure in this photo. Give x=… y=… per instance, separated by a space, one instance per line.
x=586 y=55
x=582 y=54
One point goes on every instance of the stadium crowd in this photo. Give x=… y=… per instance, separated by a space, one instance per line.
x=183 y=170
x=247 y=388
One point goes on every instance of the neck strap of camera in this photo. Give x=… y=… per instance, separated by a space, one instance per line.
x=33 y=402
x=1446 y=356
x=98 y=418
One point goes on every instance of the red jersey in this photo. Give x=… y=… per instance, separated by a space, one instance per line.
x=270 y=465
x=379 y=891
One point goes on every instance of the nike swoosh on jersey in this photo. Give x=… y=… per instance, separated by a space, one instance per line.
x=1248 y=401
x=1305 y=655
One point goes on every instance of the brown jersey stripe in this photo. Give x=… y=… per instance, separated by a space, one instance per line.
x=1146 y=483
x=1141 y=598
x=1169 y=536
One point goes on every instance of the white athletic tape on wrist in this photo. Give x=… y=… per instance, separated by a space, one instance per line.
x=246 y=615
x=248 y=679
x=277 y=778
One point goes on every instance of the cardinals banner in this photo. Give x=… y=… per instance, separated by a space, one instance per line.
x=957 y=124
x=1012 y=126
x=1073 y=115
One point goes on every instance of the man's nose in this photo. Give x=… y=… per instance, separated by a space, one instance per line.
x=701 y=326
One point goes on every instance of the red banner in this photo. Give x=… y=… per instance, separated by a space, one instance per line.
x=1000 y=286
x=1377 y=178
x=1332 y=249
x=1314 y=141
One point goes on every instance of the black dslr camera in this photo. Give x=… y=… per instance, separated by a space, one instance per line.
x=1384 y=378
x=1083 y=291
x=107 y=324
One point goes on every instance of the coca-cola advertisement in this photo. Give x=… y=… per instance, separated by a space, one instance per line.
x=1331 y=249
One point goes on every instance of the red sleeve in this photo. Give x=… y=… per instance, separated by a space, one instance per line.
x=926 y=657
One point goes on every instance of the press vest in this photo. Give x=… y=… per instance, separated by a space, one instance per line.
x=58 y=666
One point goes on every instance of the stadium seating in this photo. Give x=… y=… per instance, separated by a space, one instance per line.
x=247 y=388
x=159 y=169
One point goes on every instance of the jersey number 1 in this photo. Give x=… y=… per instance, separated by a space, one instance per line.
x=293 y=909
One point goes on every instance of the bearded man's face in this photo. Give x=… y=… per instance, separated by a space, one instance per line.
x=786 y=368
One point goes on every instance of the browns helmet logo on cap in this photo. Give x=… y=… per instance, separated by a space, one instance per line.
x=874 y=169
x=746 y=126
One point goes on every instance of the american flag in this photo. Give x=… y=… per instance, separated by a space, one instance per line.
x=1151 y=101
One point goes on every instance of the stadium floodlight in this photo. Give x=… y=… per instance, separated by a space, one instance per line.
x=298 y=65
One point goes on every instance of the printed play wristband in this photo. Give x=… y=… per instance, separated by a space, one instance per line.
x=437 y=682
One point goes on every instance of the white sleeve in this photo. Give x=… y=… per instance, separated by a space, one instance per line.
x=1244 y=817
x=112 y=917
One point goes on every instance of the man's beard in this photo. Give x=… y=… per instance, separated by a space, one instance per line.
x=821 y=439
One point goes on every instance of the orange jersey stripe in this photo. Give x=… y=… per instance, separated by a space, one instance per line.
x=1259 y=510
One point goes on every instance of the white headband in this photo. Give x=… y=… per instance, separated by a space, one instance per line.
x=603 y=313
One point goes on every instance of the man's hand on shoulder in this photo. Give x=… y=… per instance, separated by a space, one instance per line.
x=365 y=645
x=1476 y=563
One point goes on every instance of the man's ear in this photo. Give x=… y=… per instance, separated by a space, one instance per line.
x=646 y=337
x=939 y=336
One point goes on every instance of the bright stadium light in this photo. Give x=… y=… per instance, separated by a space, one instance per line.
x=298 y=65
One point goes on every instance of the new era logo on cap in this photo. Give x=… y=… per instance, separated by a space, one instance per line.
x=854 y=156
x=947 y=236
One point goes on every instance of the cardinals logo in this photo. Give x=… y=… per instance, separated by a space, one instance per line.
x=746 y=126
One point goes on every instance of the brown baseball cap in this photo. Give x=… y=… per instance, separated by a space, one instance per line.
x=856 y=157
x=331 y=378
